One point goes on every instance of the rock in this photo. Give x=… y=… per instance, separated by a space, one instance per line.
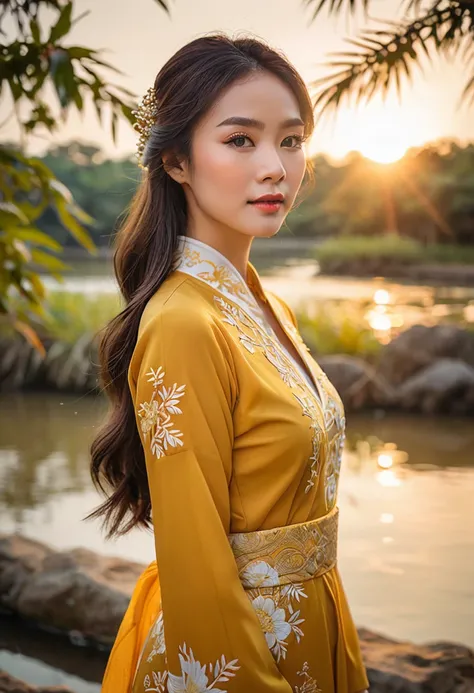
x=9 y=684
x=357 y=382
x=445 y=386
x=76 y=591
x=81 y=591
x=420 y=346
x=402 y=667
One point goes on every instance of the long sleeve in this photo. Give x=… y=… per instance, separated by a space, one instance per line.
x=184 y=390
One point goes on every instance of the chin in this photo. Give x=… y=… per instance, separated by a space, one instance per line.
x=268 y=232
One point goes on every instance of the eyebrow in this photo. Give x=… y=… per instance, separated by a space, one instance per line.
x=252 y=123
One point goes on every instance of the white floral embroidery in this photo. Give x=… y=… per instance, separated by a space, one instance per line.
x=260 y=574
x=155 y=415
x=333 y=464
x=253 y=337
x=318 y=434
x=158 y=635
x=193 y=676
x=310 y=685
x=275 y=622
x=245 y=314
x=159 y=682
x=272 y=621
x=293 y=590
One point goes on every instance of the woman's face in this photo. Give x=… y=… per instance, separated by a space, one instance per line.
x=234 y=163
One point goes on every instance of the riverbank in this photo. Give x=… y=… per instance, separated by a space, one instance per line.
x=395 y=257
x=425 y=369
x=83 y=596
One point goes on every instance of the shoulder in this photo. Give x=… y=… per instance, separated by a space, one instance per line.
x=179 y=305
x=181 y=317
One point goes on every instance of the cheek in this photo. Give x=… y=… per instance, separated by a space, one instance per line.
x=295 y=169
x=216 y=166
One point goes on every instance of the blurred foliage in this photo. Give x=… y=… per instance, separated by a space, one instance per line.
x=391 y=248
x=70 y=315
x=427 y=196
x=334 y=328
x=331 y=329
x=34 y=61
x=382 y=58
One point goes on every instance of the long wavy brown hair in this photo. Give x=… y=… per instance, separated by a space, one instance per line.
x=185 y=89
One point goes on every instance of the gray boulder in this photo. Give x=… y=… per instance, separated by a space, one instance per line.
x=446 y=385
x=357 y=382
x=420 y=346
x=402 y=667
x=9 y=684
x=76 y=591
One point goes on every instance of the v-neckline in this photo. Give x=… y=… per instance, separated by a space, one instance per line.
x=306 y=372
x=209 y=265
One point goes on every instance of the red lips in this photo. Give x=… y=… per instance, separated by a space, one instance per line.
x=278 y=197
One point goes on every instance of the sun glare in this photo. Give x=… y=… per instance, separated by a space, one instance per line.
x=384 y=151
x=381 y=131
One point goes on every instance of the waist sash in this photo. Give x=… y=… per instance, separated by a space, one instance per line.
x=284 y=555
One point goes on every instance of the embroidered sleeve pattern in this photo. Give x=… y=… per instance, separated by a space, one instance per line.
x=156 y=414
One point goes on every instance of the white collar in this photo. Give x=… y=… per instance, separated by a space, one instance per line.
x=207 y=264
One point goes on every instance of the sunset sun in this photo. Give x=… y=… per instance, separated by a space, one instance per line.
x=383 y=150
x=381 y=131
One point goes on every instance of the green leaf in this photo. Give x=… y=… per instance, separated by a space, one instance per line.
x=35 y=31
x=10 y=212
x=127 y=112
x=114 y=126
x=61 y=190
x=79 y=52
x=49 y=261
x=63 y=25
x=74 y=228
x=33 y=235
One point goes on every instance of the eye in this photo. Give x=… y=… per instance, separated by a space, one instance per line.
x=236 y=140
x=299 y=139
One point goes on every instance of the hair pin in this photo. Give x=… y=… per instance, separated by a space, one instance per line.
x=145 y=116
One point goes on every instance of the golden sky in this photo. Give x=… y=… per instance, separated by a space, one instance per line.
x=139 y=37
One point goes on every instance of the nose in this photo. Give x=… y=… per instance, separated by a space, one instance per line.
x=271 y=165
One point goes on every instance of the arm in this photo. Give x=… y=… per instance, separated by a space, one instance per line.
x=184 y=391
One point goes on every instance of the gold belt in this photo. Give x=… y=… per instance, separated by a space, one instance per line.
x=284 y=555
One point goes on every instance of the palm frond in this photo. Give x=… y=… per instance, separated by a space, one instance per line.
x=385 y=55
x=334 y=7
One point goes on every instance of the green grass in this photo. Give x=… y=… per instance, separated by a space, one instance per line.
x=332 y=330
x=394 y=248
x=339 y=328
x=72 y=315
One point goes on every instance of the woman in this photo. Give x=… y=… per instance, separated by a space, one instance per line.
x=224 y=433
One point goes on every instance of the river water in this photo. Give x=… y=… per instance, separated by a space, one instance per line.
x=406 y=551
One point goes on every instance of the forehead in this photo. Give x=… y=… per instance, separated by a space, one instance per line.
x=261 y=96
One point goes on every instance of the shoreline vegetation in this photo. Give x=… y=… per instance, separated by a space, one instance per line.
x=395 y=257
x=423 y=369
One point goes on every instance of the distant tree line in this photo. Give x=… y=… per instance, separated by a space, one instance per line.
x=428 y=195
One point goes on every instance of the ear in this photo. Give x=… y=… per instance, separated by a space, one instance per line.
x=176 y=169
